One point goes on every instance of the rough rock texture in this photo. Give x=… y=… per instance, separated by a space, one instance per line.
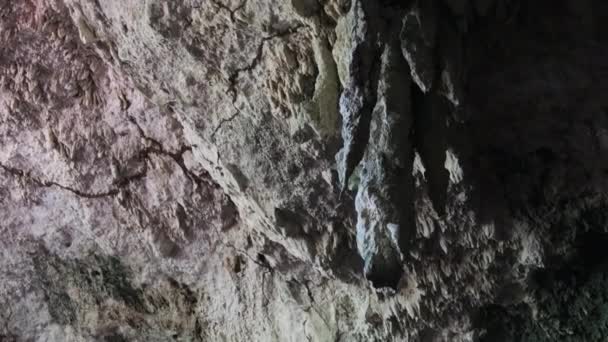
x=303 y=170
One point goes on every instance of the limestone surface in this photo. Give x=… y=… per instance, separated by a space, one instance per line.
x=303 y=170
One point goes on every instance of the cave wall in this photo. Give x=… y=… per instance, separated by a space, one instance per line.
x=219 y=170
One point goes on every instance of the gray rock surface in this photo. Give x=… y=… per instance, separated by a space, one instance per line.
x=323 y=170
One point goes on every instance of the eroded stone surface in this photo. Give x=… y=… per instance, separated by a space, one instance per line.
x=168 y=169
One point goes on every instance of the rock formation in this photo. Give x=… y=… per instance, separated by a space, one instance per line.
x=303 y=170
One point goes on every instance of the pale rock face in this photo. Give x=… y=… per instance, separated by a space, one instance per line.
x=333 y=170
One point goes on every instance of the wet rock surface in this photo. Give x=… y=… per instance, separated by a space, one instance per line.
x=334 y=170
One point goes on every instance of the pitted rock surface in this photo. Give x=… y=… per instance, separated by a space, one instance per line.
x=303 y=170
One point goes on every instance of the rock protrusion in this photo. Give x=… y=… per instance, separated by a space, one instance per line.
x=418 y=40
x=383 y=203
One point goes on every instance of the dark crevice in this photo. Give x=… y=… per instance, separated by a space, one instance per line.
x=570 y=300
x=430 y=141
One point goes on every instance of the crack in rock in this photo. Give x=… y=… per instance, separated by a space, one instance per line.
x=176 y=156
x=232 y=12
x=224 y=121
x=23 y=175
x=232 y=79
x=121 y=182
